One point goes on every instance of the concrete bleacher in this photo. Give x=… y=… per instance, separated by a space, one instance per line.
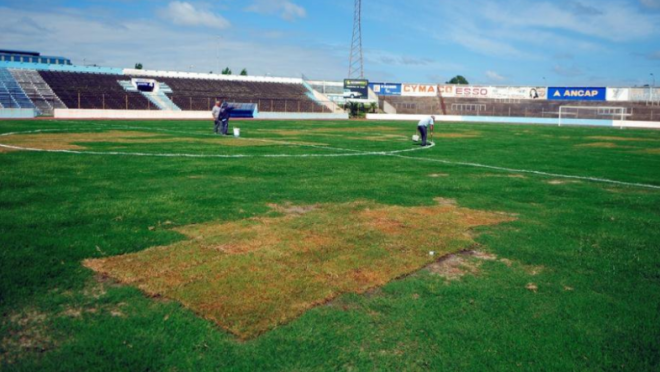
x=271 y=96
x=12 y=95
x=37 y=91
x=94 y=91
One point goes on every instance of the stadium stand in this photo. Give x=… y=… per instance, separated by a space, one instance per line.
x=328 y=87
x=200 y=94
x=11 y=94
x=159 y=98
x=45 y=83
x=641 y=111
x=94 y=91
x=37 y=90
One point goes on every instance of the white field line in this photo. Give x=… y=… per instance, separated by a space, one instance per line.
x=539 y=173
x=176 y=155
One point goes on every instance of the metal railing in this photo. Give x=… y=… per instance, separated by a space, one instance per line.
x=639 y=111
x=136 y=101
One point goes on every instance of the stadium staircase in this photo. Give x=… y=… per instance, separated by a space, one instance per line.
x=11 y=94
x=159 y=99
x=38 y=91
x=320 y=98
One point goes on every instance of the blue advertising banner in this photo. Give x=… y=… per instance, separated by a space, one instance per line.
x=386 y=89
x=577 y=94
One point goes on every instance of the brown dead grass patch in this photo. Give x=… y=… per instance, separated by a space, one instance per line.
x=382 y=138
x=604 y=145
x=438 y=175
x=500 y=175
x=651 y=151
x=615 y=138
x=562 y=182
x=456 y=266
x=27 y=333
x=78 y=141
x=290 y=208
x=249 y=276
x=339 y=131
x=457 y=135
x=369 y=129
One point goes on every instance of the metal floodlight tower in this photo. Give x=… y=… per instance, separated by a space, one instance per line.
x=356 y=60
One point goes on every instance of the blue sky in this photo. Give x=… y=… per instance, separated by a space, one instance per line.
x=517 y=42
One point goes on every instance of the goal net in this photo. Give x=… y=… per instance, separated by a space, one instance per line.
x=592 y=112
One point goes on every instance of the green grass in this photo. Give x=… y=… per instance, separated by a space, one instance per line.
x=595 y=247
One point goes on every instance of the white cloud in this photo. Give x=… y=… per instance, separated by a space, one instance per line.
x=122 y=43
x=492 y=75
x=651 y=3
x=286 y=9
x=185 y=14
x=609 y=20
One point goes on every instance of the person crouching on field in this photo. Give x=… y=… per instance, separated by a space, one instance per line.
x=225 y=111
x=216 y=117
x=423 y=127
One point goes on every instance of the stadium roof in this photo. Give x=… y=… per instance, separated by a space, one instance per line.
x=21 y=52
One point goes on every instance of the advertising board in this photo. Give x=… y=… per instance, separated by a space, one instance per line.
x=356 y=88
x=386 y=89
x=577 y=94
x=419 y=90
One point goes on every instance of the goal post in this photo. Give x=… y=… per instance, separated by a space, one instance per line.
x=592 y=112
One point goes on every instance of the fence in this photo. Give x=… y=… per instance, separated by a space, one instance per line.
x=640 y=111
x=136 y=101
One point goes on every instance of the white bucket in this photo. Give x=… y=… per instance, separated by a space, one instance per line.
x=237 y=132
x=415 y=138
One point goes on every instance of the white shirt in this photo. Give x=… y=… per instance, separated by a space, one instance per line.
x=426 y=122
x=215 y=112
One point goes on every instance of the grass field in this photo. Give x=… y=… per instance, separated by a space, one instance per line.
x=306 y=246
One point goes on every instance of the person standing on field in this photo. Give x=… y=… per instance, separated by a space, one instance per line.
x=225 y=111
x=423 y=127
x=216 y=117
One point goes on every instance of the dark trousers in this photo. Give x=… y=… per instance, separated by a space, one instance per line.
x=225 y=126
x=423 y=131
x=216 y=127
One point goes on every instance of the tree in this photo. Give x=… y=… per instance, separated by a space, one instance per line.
x=138 y=66
x=244 y=72
x=226 y=71
x=458 y=79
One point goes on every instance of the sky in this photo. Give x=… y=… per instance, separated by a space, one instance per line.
x=497 y=42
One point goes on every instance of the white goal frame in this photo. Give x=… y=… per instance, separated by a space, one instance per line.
x=612 y=111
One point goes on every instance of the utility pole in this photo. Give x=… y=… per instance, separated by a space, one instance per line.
x=356 y=59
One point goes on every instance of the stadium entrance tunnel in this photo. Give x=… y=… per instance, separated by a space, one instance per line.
x=252 y=275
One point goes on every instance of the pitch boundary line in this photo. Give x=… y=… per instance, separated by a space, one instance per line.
x=539 y=173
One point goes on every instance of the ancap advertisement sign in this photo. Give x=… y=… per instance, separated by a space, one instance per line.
x=577 y=94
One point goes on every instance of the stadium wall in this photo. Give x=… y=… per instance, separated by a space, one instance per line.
x=515 y=120
x=184 y=115
x=13 y=113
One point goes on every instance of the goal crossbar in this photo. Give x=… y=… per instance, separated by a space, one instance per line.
x=611 y=111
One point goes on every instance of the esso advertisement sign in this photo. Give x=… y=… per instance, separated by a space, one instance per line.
x=480 y=92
